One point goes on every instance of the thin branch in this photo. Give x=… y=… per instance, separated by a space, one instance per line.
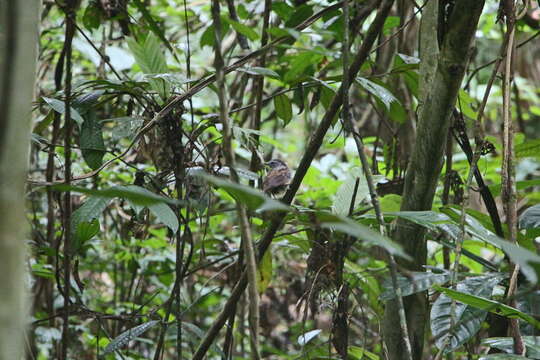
x=245 y=227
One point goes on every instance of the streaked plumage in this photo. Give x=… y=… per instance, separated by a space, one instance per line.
x=278 y=177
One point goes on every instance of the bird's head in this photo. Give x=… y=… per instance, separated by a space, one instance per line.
x=275 y=163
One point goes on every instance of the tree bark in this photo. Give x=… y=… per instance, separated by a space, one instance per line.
x=18 y=44
x=425 y=167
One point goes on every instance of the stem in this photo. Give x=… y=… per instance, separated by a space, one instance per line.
x=228 y=151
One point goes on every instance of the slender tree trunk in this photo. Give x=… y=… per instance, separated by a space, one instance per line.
x=18 y=43
x=425 y=167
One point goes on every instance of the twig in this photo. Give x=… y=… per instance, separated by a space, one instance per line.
x=245 y=228
x=67 y=211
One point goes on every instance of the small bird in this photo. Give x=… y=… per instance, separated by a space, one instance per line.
x=278 y=177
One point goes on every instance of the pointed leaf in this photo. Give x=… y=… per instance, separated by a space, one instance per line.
x=468 y=319
x=283 y=108
x=125 y=337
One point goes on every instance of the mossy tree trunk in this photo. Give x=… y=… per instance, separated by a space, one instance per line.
x=425 y=167
x=18 y=45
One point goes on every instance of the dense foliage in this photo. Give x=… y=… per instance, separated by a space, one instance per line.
x=152 y=124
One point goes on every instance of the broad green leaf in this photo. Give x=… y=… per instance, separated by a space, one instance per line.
x=283 y=108
x=468 y=319
x=43 y=270
x=165 y=215
x=427 y=219
x=252 y=198
x=283 y=9
x=299 y=63
x=530 y=148
x=284 y=32
x=359 y=353
x=208 y=36
x=412 y=283
x=152 y=23
x=244 y=30
x=151 y=60
x=528 y=261
x=530 y=218
x=59 y=107
x=380 y=92
x=92 y=16
x=465 y=103
x=364 y=233
x=390 y=23
x=343 y=197
x=84 y=232
x=506 y=344
x=91 y=141
x=492 y=306
x=520 y=185
x=128 y=335
x=125 y=127
x=300 y=14
x=89 y=210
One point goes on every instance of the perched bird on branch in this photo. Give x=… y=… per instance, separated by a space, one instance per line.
x=278 y=177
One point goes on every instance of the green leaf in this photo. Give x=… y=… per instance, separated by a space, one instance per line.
x=343 y=197
x=299 y=63
x=43 y=270
x=529 y=148
x=427 y=219
x=91 y=141
x=92 y=16
x=252 y=198
x=153 y=24
x=300 y=14
x=135 y=194
x=89 y=210
x=530 y=218
x=59 y=107
x=84 y=232
x=255 y=70
x=128 y=335
x=283 y=108
x=125 y=127
x=151 y=60
x=194 y=335
x=165 y=215
x=244 y=30
x=283 y=9
x=465 y=103
x=264 y=272
x=208 y=36
x=390 y=23
x=364 y=233
x=492 y=306
x=380 y=92
x=468 y=319
x=506 y=344
x=413 y=283
x=528 y=261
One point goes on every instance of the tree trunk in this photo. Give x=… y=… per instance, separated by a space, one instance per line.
x=425 y=167
x=18 y=44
